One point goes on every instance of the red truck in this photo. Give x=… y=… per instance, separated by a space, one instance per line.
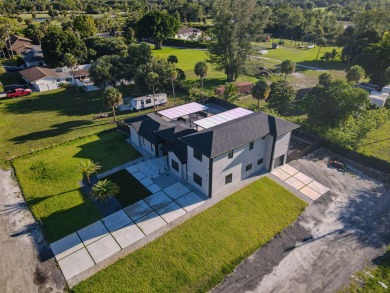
x=19 y=92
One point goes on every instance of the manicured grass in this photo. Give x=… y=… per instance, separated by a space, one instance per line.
x=377 y=143
x=131 y=190
x=197 y=255
x=50 y=183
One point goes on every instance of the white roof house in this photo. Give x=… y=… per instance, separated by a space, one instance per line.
x=189 y=33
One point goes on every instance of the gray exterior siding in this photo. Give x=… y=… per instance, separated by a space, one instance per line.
x=200 y=168
x=182 y=167
x=281 y=147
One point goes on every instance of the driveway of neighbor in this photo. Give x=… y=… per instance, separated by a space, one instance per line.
x=27 y=264
x=337 y=235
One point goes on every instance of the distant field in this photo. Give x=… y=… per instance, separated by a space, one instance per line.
x=196 y=256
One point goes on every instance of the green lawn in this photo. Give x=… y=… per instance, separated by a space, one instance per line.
x=131 y=189
x=50 y=183
x=377 y=143
x=197 y=255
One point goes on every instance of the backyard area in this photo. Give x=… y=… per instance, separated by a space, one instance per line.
x=51 y=185
x=199 y=253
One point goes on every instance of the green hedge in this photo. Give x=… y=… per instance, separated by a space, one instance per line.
x=185 y=43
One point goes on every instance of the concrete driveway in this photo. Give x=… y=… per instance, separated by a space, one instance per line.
x=338 y=235
x=26 y=262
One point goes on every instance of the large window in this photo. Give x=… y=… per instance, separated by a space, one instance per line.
x=251 y=145
x=197 y=179
x=230 y=154
x=198 y=155
x=228 y=178
x=148 y=101
x=248 y=167
x=260 y=161
x=175 y=165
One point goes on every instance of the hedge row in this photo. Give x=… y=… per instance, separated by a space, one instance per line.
x=185 y=43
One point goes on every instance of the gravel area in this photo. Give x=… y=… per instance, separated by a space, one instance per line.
x=337 y=235
x=27 y=263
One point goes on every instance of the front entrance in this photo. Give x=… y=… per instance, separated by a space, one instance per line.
x=279 y=161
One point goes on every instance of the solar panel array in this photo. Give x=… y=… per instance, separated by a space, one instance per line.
x=222 y=117
x=183 y=110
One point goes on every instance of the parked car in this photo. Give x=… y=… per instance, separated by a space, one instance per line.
x=18 y=93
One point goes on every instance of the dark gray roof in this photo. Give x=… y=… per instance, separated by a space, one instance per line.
x=172 y=134
x=147 y=126
x=225 y=137
x=34 y=55
x=179 y=149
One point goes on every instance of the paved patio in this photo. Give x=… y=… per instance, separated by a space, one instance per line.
x=301 y=182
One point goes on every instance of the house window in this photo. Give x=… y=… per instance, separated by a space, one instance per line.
x=197 y=179
x=230 y=154
x=248 y=167
x=198 y=155
x=148 y=101
x=58 y=80
x=251 y=145
x=260 y=161
x=68 y=79
x=175 y=165
x=228 y=179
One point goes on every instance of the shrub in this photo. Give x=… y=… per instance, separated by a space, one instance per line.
x=185 y=43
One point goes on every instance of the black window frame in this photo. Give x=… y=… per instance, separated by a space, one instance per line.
x=197 y=179
x=175 y=164
x=197 y=155
x=251 y=145
x=260 y=161
x=229 y=178
x=230 y=154
x=248 y=167
x=148 y=101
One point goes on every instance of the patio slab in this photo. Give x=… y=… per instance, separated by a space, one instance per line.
x=321 y=189
x=190 y=201
x=150 y=223
x=157 y=200
x=66 y=246
x=138 y=210
x=310 y=193
x=128 y=235
x=103 y=248
x=171 y=212
x=176 y=190
x=116 y=220
x=294 y=183
x=76 y=263
x=92 y=232
x=289 y=170
x=139 y=175
x=153 y=188
x=132 y=169
x=146 y=182
x=280 y=174
x=303 y=178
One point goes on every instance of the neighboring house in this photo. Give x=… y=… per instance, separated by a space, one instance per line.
x=45 y=79
x=189 y=33
x=19 y=44
x=215 y=158
x=34 y=57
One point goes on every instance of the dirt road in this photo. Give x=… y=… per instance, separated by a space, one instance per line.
x=26 y=262
x=335 y=237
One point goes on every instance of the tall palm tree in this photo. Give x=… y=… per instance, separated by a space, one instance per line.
x=104 y=189
x=230 y=93
x=260 y=91
x=201 y=71
x=88 y=168
x=112 y=98
x=287 y=67
x=152 y=80
x=172 y=78
x=71 y=62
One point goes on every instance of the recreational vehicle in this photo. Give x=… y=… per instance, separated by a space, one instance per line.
x=147 y=101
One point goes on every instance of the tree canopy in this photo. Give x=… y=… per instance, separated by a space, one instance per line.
x=85 y=26
x=260 y=91
x=281 y=93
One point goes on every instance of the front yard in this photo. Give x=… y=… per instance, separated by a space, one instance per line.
x=50 y=183
x=197 y=255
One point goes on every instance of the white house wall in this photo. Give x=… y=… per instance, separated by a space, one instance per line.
x=242 y=156
x=147 y=146
x=182 y=167
x=200 y=168
x=281 y=146
x=134 y=137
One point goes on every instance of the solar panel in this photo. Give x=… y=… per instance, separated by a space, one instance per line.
x=222 y=117
x=182 y=110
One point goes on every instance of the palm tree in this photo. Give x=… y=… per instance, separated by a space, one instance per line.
x=320 y=42
x=152 y=80
x=201 y=71
x=71 y=62
x=260 y=91
x=287 y=67
x=172 y=78
x=87 y=169
x=112 y=98
x=333 y=54
x=104 y=189
x=230 y=93
x=172 y=59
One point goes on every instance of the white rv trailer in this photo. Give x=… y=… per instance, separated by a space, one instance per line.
x=147 y=101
